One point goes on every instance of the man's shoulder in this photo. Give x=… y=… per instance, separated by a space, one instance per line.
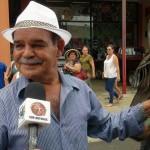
x=71 y=81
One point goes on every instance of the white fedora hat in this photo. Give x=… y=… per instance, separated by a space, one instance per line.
x=36 y=15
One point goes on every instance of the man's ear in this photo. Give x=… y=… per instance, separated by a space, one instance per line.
x=60 y=46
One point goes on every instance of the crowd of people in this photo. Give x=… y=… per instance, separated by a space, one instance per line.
x=76 y=110
x=75 y=61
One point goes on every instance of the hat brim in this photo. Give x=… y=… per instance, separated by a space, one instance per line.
x=67 y=53
x=65 y=35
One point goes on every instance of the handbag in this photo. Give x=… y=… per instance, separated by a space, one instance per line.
x=82 y=74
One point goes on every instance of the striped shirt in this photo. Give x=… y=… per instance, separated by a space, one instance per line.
x=81 y=115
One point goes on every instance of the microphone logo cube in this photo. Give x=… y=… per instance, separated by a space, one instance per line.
x=34 y=111
x=38 y=109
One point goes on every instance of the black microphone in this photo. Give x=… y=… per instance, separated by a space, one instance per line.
x=34 y=112
x=34 y=90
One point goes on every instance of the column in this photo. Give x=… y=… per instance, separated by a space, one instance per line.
x=4 y=24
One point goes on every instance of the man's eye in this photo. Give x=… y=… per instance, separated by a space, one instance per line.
x=18 y=46
x=37 y=46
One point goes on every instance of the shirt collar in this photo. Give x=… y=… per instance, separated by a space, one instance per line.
x=23 y=82
x=67 y=81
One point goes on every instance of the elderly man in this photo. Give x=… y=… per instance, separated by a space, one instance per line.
x=75 y=110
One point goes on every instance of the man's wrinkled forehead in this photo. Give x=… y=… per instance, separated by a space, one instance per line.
x=51 y=35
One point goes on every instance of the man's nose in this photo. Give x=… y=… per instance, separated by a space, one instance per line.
x=28 y=52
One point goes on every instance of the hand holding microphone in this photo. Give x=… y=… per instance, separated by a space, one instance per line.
x=34 y=113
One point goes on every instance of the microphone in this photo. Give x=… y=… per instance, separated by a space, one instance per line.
x=34 y=112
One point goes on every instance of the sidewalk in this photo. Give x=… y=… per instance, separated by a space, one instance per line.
x=99 y=88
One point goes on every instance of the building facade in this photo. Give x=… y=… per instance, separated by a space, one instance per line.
x=96 y=22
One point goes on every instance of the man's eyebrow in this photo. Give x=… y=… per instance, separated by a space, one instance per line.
x=42 y=42
x=32 y=41
x=38 y=41
x=17 y=41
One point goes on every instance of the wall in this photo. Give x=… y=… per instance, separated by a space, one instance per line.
x=4 y=24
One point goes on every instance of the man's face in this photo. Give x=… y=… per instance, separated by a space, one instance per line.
x=35 y=53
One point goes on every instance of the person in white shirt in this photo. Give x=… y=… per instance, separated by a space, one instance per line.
x=111 y=74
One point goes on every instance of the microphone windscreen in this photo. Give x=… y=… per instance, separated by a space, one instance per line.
x=35 y=90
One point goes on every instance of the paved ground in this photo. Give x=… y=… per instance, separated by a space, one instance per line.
x=128 y=144
x=99 y=89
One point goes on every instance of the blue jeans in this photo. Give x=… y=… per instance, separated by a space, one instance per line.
x=109 y=86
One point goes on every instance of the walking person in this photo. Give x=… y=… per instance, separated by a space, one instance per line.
x=111 y=74
x=87 y=63
x=75 y=109
x=118 y=90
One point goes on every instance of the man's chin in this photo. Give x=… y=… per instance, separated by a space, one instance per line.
x=29 y=76
x=33 y=77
